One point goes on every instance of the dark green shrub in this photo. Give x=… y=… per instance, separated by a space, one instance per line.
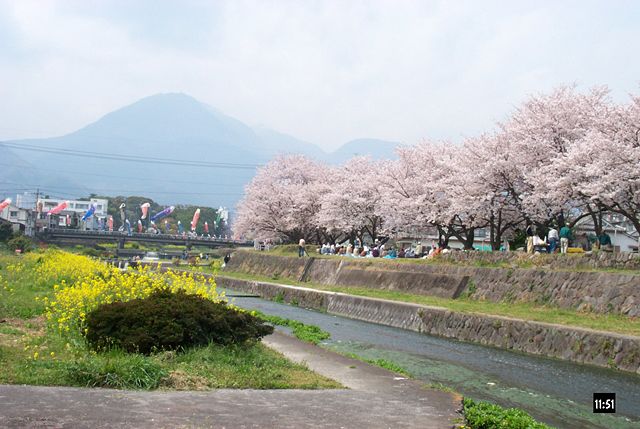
x=170 y=321
x=90 y=252
x=6 y=231
x=20 y=242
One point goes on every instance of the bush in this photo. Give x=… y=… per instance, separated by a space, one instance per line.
x=484 y=415
x=91 y=252
x=6 y=231
x=169 y=321
x=20 y=242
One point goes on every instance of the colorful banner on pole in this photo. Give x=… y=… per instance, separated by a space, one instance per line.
x=145 y=210
x=5 y=204
x=194 y=221
x=57 y=209
x=164 y=213
x=89 y=213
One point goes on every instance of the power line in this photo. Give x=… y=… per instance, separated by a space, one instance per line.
x=119 y=190
x=128 y=158
x=144 y=179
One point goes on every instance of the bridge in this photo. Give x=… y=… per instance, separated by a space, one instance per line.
x=74 y=236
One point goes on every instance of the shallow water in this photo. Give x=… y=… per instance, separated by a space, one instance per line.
x=556 y=392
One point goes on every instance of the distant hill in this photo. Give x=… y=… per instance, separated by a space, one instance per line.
x=174 y=126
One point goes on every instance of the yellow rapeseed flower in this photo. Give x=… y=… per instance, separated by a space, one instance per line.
x=91 y=284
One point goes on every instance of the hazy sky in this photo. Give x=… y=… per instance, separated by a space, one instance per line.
x=323 y=71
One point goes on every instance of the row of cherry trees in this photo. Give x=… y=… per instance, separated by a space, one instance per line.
x=559 y=157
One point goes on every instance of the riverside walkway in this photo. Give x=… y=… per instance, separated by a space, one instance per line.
x=372 y=398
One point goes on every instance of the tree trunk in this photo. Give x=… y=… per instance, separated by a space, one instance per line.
x=469 y=239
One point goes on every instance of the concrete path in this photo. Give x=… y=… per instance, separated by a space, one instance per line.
x=376 y=398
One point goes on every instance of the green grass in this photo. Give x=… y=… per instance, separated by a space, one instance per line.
x=32 y=354
x=309 y=333
x=21 y=292
x=251 y=366
x=485 y=415
x=382 y=363
x=527 y=311
x=256 y=367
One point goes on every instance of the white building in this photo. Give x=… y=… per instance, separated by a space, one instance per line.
x=624 y=237
x=21 y=219
x=77 y=206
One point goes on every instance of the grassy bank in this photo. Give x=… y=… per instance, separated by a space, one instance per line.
x=526 y=311
x=33 y=350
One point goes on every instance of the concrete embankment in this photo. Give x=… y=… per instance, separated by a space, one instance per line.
x=573 y=344
x=596 y=291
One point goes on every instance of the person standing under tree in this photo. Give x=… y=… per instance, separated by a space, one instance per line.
x=604 y=240
x=529 y=233
x=565 y=236
x=301 y=244
x=552 y=237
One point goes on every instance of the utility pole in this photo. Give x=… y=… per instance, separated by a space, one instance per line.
x=35 y=212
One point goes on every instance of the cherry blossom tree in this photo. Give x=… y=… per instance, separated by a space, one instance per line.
x=560 y=156
x=414 y=194
x=487 y=195
x=351 y=206
x=282 y=200
x=603 y=167
x=540 y=131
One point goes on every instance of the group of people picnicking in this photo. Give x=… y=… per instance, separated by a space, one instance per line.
x=558 y=241
x=377 y=249
x=555 y=241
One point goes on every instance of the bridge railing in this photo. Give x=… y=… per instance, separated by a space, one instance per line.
x=143 y=236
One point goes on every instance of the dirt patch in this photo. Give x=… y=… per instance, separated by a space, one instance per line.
x=13 y=330
x=180 y=380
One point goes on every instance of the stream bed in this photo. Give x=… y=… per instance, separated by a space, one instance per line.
x=556 y=392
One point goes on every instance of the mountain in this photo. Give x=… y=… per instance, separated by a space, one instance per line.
x=163 y=126
x=279 y=143
x=18 y=175
x=376 y=149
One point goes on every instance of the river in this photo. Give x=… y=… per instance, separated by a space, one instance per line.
x=556 y=392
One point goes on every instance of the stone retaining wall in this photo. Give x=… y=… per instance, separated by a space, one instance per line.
x=573 y=344
x=601 y=292
x=600 y=260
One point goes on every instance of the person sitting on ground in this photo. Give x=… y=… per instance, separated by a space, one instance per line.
x=391 y=254
x=409 y=253
x=401 y=252
x=435 y=252
x=539 y=245
x=375 y=252
x=349 y=248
